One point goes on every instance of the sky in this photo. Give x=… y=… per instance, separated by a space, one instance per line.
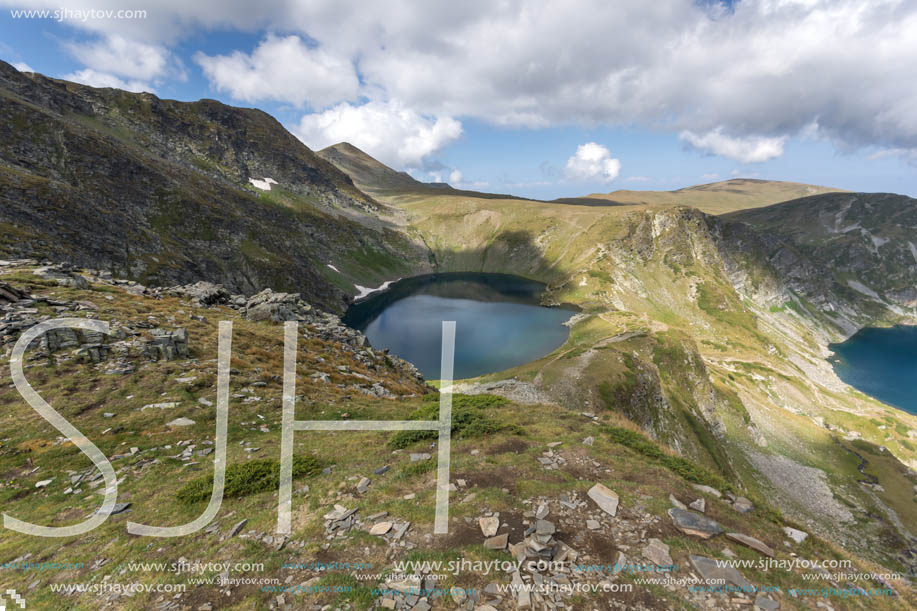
x=529 y=97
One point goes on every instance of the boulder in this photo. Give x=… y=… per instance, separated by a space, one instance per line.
x=657 y=552
x=717 y=575
x=694 y=524
x=489 y=526
x=167 y=345
x=202 y=293
x=498 y=542
x=796 y=535
x=276 y=307
x=63 y=275
x=605 y=498
x=10 y=294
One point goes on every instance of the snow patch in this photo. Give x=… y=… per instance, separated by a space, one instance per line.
x=367 y=291
x=264 y=185
x=913 y=250
x=334 y=268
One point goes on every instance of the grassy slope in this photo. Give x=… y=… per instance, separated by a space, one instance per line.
x=502 y=476
x=714 y=198
x=741 y=374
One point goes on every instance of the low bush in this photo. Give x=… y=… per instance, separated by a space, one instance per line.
x=469 y=419
x=243 y=479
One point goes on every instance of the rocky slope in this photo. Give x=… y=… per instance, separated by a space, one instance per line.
x=167 y=192
x=572 y=509
x=865 y=241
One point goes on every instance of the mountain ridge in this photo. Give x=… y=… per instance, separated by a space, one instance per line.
x=175 y=183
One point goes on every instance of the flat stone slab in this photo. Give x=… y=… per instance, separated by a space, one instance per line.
x=120 y=508
x=707 y=490
x=743 y=505
x=489 y=526
x=498 y=542
x=796 y=535
x=543 y=527
x=695 y=524
x=718 y=575
x=381 y=528
x=755 y=544
x=657 y=552
x=181 y=422
x=605 y=498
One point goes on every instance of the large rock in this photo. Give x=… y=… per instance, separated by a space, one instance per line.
x=10 y=294
x=489 y=526
x=694 y=524
x=167 y=345
x=203 y=293
x=796 y=535
x=657 y=552
x=605 y=498
x=63 y=276
x=718 y=575
x=277 y=307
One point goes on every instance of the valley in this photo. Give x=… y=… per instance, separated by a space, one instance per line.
x=695 y=372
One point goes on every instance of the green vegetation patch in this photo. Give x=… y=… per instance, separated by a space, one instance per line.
x=680 y=466
x=469 y=419
x=244 y=479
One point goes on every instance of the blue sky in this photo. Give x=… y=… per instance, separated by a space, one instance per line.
x=516 y=98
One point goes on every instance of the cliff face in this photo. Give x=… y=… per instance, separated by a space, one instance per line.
x=168 y=192
x=852 y=255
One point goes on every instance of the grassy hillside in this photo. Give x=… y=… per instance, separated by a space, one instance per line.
x=506 y=458
x=714 y=198
x=704 y=333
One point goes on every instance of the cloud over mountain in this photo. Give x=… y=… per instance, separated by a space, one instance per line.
x=735 y=79
x=389 y=131
x=283 y=69
x=592 y=161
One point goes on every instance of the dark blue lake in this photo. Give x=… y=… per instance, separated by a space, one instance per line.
x=498 y=322
x=882 y=363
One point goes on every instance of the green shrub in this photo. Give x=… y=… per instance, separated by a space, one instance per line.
x=680 y=466
x=243 y=479
x=468 y=419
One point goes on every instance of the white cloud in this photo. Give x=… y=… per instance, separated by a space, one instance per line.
x=92 y=78
x=765 y=69
x=457 y=180
x=392 y=133
x=592 y=161
x=23 y=67
x=750 y=149
x=284 y=69
x=126 y=58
